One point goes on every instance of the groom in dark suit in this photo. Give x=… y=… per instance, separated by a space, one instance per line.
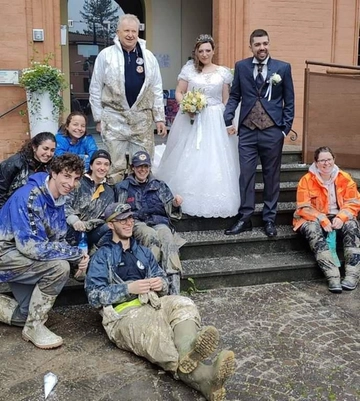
x=265 y=89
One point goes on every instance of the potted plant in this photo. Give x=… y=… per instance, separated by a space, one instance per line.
x=43 y=84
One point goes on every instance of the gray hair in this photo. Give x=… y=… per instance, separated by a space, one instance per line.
x=128 y=17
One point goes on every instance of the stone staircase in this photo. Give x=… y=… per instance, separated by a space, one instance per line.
x=211 y=259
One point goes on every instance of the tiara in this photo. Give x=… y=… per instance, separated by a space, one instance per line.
x=204 y=38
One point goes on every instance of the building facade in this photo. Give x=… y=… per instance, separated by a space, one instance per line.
x=325 y=31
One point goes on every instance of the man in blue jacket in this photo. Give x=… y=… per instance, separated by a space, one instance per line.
x=125 y=281
x=265 y=89
x=34 y=256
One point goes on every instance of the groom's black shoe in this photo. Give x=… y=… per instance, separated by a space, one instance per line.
x=239 y=227
x=270 y=229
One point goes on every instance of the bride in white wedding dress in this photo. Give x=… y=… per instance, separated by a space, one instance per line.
x=201 y=161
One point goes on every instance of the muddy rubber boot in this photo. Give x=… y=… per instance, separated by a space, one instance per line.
x=34 y=329
x=352 y=269
x=7 y=308
x=193 y=345
x=330 y=270
x=209 y=380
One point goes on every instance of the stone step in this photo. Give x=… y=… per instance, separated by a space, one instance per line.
x=251 y=269
x=291 y=156
x=287 y=192
x=292 y=167
x=214 y=243
x=72 y=294
x=217 y=272
x=284 y=216
x=289 y=172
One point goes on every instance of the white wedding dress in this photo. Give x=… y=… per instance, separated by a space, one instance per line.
x=201 y=161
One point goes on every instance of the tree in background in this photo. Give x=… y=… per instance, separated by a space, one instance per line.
x=101 y=17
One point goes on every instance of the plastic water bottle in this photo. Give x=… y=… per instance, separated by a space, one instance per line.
x=83 y=245
x=331 y=241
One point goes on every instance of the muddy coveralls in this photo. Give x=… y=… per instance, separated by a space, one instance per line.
x=125 y=129
x=313 y=212
x=162 y=329
x=153 y=210
x=87 y=203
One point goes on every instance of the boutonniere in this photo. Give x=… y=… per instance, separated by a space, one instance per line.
x=273 y=80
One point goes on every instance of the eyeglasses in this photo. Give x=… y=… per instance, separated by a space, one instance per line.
x=324 y=161
x=124 y=222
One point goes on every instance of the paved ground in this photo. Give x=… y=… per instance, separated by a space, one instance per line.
x=292 y=342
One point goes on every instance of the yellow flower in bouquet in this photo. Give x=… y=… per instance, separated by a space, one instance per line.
x=193 y=102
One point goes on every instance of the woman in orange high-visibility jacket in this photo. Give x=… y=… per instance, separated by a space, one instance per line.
x=328 y=202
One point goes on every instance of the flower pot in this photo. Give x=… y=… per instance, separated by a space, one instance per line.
x=42 y=116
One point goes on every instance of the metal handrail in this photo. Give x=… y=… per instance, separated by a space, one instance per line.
x=348 y=67
x=293 y=135
x=12 y=109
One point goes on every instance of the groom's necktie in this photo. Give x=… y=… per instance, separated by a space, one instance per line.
x=259 y=77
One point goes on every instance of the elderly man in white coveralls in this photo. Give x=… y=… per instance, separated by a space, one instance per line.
x=126 y=96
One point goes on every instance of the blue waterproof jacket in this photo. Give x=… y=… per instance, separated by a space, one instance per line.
x=104 y=287
x=151 y=202
x=85 y=147
x=34 y=223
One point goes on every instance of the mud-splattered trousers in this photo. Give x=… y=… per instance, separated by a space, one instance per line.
x=152 y=205
x=32 y=246
x=124 y=129
x=312 y=214
x=148 y=332
x=350 y=234
x=160 y=240
x=50 y=276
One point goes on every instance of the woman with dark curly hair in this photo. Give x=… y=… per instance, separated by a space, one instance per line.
x=34 y=156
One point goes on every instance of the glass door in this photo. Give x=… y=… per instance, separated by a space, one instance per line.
x=91 y=27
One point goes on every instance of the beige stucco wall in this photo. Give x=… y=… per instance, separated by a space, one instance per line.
x=172 y=31
x=325 y=30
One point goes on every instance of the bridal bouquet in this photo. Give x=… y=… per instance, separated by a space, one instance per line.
x=193 y=102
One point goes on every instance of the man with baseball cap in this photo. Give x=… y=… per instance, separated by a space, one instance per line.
x=125 y=280
x=154 y=206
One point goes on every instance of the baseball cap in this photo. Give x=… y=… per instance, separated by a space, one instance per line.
x=117 y=211
x=141 y=158
x=100 y=153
